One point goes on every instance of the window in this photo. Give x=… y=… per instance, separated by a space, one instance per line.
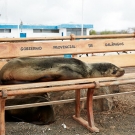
x=45 y=31
x=5 y=30
x=76 y=31
x=37 y=31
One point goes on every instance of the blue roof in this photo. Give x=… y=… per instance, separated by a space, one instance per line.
x=39 y=27
x=75 y=26
x=11 y=26
x=5 y=26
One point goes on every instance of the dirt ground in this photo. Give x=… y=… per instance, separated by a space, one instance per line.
x=120 y=121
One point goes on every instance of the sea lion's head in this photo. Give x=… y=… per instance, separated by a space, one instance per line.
x=106 y=70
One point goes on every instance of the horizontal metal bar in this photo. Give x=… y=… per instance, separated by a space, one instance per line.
x=50 y=89
x=64 y=101
x=64 y=88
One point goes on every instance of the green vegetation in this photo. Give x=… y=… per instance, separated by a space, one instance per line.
x=93 y=32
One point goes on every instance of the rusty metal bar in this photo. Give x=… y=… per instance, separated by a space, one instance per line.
x=90 y=116
x=64 y=88
x=90 y=124
x=2 y=116
x=77 y=103
x=85 y=124
x=67 y=38
x=112 y=95
x=40 y=104
x=50 y=89
x=90 y=107
x=64 y=101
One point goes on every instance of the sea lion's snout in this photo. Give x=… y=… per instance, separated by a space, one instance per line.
x=120 y=72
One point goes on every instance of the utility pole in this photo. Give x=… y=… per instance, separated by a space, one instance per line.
x=82 y=20
x=6 y=6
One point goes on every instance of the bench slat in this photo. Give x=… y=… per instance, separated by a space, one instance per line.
x=2 y=63
x=19 y=49
x=125 y=60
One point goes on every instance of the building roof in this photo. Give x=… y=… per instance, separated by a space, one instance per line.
x=14 y=26
x=75 y=26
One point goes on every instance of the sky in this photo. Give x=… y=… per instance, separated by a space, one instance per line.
x=103 y=14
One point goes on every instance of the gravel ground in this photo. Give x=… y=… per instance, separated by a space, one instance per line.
x=116 y=122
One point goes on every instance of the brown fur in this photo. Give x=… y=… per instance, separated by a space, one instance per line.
x=20 y=70
x=52 y=69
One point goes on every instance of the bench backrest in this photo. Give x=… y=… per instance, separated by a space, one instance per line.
x=55 y=48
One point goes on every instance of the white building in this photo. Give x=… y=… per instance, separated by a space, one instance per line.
x=13 y=30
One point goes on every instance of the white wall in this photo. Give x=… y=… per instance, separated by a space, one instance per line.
x=15 y=33
x=64 y=30
x=87 y=31
x=29 y=33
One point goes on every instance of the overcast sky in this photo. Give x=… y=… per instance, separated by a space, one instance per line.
x=103 y=14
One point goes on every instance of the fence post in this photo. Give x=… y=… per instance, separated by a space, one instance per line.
x=2 y=116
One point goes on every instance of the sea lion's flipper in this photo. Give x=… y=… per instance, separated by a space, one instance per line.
x=46 y=78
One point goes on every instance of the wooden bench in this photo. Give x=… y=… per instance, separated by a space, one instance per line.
x=11 y=48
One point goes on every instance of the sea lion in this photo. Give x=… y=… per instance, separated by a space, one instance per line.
x=40 y=115
x=27 y=69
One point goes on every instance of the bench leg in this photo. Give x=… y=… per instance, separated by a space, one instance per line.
x=90 y=110
x=77 y=106
x=90 y=124
x=2 y=116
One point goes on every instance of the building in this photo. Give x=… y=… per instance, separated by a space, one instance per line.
x=22 y=30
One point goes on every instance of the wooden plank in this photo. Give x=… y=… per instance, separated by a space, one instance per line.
x=67 y=37
x=125 y=60
x=2 y=63
x=19 y=49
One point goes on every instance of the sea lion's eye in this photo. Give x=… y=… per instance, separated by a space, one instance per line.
x=114 y=71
